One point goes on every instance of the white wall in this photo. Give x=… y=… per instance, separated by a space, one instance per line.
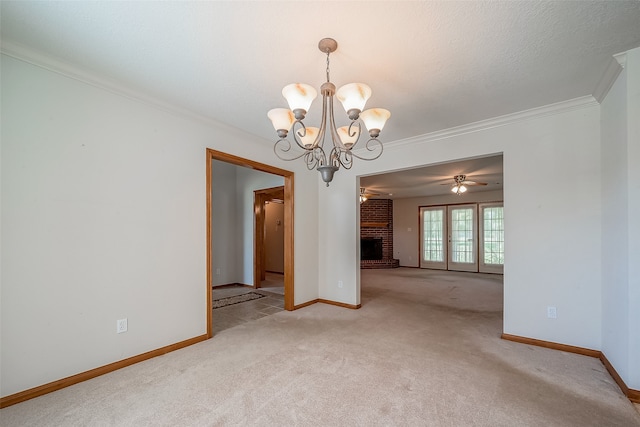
x=250 y=180
x=406 y=221
x=552 y=234
x=633 y=161
x=224 y=237
x=233 y=220
x=621 y=208
x=104 y=217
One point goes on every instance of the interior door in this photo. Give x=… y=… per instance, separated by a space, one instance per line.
x=433 y=241
x=463 y=238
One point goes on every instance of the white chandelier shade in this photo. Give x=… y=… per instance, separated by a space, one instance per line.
x=299 y=96
x=310 y=140
x=347 y=139
x=310 y=137
x=353 y=96
x=375 y=118
x=281 y=118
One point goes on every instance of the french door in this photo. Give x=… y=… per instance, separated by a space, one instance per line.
x=433 y=241
x=452 y=237
x=463 y=237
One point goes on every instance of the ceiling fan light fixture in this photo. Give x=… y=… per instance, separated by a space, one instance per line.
x=363 y=195
x=459 y=189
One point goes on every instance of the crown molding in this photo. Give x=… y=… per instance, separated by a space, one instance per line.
x=50 y=63
x=621 y=58
x=614 y=68
x=507 y=119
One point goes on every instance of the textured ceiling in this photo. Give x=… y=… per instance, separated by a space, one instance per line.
x=433 y=64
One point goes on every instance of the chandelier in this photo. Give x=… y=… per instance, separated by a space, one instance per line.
x=311 y=140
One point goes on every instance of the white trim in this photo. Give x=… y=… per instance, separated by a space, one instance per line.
x=507 y=119
x=621 y=58
x=614 y=68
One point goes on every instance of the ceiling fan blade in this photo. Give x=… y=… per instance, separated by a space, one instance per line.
x=473 y=183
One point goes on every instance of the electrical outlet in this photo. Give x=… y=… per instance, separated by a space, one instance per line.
x=121 y=326
x=552 y=313
x=340 y=284
x=217 y=271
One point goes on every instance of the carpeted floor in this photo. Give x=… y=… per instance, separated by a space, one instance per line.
x=424 y=350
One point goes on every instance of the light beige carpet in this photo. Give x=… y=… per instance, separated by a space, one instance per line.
x=424 y=350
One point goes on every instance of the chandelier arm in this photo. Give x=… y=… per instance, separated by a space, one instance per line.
x=320 y=156
x=319 y=142
x=371 y=148
x=284 y=146
x=342 y=158
x=352 y=134
x=297 y=135
x=310 y=159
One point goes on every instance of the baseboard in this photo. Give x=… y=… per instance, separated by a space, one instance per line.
x=326 y=301
x=340 y=304
x=552 y=345
x=87 y=375
x=632 y=395
x=305 y=304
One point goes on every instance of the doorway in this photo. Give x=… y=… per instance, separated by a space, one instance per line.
x=268 y=238
x=287 y=226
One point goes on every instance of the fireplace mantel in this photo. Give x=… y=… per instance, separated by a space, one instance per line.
x=374 y=224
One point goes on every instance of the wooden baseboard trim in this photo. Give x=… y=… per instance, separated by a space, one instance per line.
x=305 y=304
x=632 y=395
x=87 y=375
x=326 y=301
x=340 y=304
x=552 y=345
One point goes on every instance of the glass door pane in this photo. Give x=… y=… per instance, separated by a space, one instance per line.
x=433 y=244
x=492 y=238
x=463 y=240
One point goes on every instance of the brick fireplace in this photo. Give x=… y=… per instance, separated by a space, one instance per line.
x=376 y=222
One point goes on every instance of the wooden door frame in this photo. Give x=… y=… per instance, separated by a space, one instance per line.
x=288 y=225
x=260 y=198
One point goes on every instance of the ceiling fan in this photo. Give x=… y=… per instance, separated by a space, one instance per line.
x=365 y=195
x=461 y=183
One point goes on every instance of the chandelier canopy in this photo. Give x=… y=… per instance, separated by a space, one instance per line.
x=311 y=140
